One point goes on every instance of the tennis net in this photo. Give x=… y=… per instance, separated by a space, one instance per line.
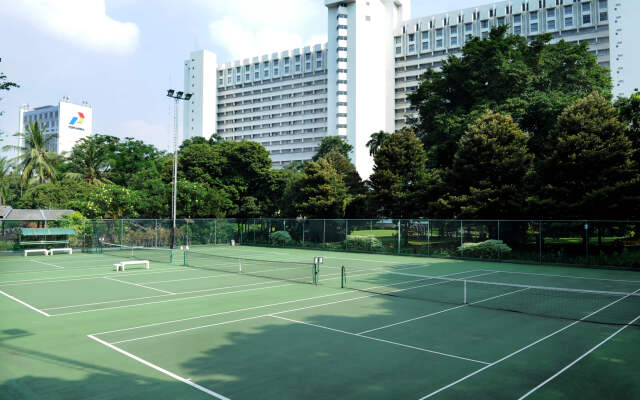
x=278 y=270
x=602 y=307
x=157 y=254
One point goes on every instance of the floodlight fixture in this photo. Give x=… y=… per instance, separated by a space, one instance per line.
x=187 y=96
x=170 y=92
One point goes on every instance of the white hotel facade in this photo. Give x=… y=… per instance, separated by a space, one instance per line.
x=358 y=82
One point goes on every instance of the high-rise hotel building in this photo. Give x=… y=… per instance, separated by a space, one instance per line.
x=358 y=82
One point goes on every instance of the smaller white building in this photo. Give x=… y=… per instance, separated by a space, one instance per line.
x=71 y=122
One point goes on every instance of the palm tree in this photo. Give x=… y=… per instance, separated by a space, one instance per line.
x=33 y=159
x=376 y=141
x=89 y=161
x=5 y=171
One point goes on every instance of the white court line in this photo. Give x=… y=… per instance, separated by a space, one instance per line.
x=439 y=312
x=464 y=378
x=68 y=268
x=45 y=263
x=234 y=311
x=157 y=368
x=258 y=316
x=22 y=282
x=381 y=340
x=212 y=294
x=154 y=297
x=569 y=276
x=25 y=304
x=552 y=377
x=139 y=285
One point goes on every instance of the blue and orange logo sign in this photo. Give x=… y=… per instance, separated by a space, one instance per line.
x=77 y=120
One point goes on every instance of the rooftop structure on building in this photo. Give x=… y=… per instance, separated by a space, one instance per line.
x=357 y=83
x=68 y=121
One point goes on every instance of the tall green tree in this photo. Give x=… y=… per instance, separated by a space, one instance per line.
x=590 y=173
x=330 y=143
x=487 y=178
x=90 y=160
x=128 y=157
x=533 y=82
x=399 y=176
x=377 y=140
x=629 y=113
x=34 y=159
x=321 y=191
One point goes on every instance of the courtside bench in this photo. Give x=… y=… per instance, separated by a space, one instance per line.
x=122 y=264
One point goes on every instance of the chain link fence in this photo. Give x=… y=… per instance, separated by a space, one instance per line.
x=597 y=243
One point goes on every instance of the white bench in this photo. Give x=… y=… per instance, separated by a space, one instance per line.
x=122 y=264
x=45 y=251
x=66 y=250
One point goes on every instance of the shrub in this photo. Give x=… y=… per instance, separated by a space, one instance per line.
x=280 y=238
x=492 y=249
x=369 y=243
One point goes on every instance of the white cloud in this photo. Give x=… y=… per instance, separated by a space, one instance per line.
x=155 y=134
x=83 y=22
x=257 y=27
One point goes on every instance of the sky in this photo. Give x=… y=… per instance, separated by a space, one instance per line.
x=122 y=55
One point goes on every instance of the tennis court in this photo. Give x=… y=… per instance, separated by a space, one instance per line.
x=249 y=322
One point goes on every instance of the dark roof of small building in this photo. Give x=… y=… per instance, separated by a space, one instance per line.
x=8 y=213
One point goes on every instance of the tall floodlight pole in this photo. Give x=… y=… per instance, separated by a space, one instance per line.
x=176 y=96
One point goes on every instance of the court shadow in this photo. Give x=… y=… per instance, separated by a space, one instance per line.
x=86 y=381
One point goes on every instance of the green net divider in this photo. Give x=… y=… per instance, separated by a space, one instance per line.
x=278 y=270
x=156 y=254
x=594 y=306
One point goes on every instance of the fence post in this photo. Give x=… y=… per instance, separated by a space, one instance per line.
x=324 y=229
x=399 y=223
x=461 y=239
x=121 y=232
x=428 y=237
x=215 y=231
x=586 y=240
x=346 y=234
x=539 y=242
x=302 y=231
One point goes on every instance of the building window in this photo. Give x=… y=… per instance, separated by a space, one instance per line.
x=398 y=40
x=551 y=13
x=568 y=22
x=603 y=4
x=454 y=30
x=533 y=16
x=517 y=19
x=439 y=43
x=454 y=41
x=398 y=50
x=425 y=46
x=412 y=37
x=534 y=27
x=604 y=16
x=484 y=24
x=238 y=78
x=568 y=10
x=412 y=48
x=551 y=25
x=468 y=27
x=586 y=19
x=439 y=33
x=220 y=82
x=586 y=8
x=501 y=21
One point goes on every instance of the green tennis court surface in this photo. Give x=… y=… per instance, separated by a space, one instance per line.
x=250 y=322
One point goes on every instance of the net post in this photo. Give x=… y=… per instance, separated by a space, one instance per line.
x=240 y=265
x=342 y=277
x=184 y=258
x=465 y=292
